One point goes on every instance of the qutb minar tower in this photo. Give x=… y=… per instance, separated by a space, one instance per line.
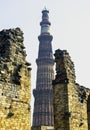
x=43 y=94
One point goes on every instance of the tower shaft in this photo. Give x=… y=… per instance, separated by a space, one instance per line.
x=43 y=105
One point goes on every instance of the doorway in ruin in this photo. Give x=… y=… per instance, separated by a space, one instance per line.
x=88 y=112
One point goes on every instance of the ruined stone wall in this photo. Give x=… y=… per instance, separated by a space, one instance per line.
x=15 y=113
x=71 y=101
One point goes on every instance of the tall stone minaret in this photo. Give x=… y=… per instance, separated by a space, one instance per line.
x=43 y=104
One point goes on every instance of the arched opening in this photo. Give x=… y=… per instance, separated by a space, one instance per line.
x=88 y=112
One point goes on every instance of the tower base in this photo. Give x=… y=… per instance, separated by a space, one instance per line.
x=42 y=128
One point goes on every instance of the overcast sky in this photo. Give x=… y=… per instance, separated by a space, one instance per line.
x=70 y=27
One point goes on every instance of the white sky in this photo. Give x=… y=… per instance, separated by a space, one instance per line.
x=70 y=28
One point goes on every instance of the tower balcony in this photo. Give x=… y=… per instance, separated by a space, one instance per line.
x=45 y=60
x=45 y=37
x=42 y=92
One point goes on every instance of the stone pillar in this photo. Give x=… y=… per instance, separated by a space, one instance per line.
x=70 y=100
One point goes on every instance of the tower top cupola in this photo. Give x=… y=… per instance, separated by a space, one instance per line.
x=45 y=24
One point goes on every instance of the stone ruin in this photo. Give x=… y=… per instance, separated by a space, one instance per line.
x=15 y=85
x=71 y=100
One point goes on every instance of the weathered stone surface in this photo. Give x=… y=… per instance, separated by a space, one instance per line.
x=15 y=111
x=43 y=128
x=71 y=101
x=64 y=67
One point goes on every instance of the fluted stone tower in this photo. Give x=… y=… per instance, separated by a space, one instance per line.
x=43 y=105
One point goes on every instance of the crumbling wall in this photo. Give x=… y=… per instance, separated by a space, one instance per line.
x=70 y=99
x=15 y=81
